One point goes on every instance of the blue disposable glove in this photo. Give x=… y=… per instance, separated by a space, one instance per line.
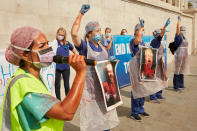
x=179 y=18
x=142 y=22
x=84 y=8
x=112 y=58
x=167 y=22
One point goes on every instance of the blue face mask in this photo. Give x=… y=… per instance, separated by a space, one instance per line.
x=97 y=38
x=108 y=35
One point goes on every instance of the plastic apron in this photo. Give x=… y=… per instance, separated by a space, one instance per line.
x=93 y=115
x=144 y=88
x=181 y=59
x=161 y=72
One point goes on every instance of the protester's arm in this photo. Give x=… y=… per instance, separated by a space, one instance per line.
x=66 y=109
x=72 y=48
x=178 y=26
x=74 y=51
x=138 y=36
x=110 y=44
x=76 y=25
x=75 y=29
x=178 y=39
x=164 y=28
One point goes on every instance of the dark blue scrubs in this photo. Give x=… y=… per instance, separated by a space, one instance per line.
x=62 y=69
x=136 y=104
x=83 y=48
x=105 y=43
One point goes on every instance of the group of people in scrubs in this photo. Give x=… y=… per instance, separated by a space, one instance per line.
x=28 y=105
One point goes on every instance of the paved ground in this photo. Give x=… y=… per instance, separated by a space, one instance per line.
x=177 y=113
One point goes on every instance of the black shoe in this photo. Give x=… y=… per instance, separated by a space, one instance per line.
x=136 y=117
x=145 y=114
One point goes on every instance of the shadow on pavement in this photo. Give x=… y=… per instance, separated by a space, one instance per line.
x=123 y=111
x=125 y=93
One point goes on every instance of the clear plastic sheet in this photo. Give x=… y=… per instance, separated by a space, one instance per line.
x=145 y=88
x=181 y=59
x=93 y=115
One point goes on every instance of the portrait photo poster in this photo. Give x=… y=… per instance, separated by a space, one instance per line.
x=148 y=64
x=106 y=72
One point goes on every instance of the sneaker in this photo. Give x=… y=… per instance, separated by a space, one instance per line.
x=155 y=101
x=136 y=117
x=145 y=114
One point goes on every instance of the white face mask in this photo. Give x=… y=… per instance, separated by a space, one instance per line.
x=183 y=33
x=45 y=56
x=60 y=37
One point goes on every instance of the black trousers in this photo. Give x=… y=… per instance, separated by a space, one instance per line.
x=66 y=75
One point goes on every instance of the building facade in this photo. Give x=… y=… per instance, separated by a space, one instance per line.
x=49 y=15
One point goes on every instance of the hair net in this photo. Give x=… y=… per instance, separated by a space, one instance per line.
x=156 y=32
x=93 y=25
x=21 y=38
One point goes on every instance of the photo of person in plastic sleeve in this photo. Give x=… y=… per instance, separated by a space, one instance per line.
x=148 y=64
x=110 y=87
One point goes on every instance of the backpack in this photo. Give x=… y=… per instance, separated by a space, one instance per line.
x=172 y=47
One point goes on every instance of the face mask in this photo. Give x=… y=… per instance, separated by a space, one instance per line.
x=108 y=35
x=97 y=38
x=60 y=38
x=125 y=33
x=183 y=33
x=45 y=56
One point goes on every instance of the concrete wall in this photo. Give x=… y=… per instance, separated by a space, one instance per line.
x=193 y=12
x=48 y=15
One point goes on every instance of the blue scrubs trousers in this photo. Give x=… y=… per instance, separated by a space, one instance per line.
x=137 y=105
x=156 y=95
x=178 y=81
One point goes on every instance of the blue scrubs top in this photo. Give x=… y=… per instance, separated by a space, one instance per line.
x=105 y=43
x=63 y=50
x=156 y=42
x=83 y=48
x=135 y=48
x=30 y=108
x=178 y=40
